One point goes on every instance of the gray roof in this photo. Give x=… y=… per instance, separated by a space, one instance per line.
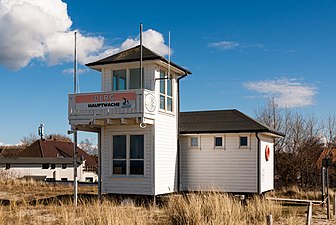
x=220 y=121
x=133 y=55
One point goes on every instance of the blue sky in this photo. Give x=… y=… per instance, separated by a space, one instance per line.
x=240 y=53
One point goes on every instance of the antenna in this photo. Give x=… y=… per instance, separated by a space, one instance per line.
x=41 y=131
x=141 y=56
x=75 y=64
x=169 y=55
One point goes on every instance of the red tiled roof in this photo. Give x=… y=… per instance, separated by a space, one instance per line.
x=55 y=148
x=327 y=152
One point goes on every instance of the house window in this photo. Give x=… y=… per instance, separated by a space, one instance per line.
x=64 y=179
x=243 y=141
x=45 y=166
x=128 y=155
x=7 y=166
x=135 y=79
x=119 y=154
x=194 y=142
x=52 y=166
x=119 y=80
x=218 y=142
x=166 y=92
x=64 y=166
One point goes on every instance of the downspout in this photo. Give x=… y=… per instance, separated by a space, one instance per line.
x=258 y=164
x=178 y=130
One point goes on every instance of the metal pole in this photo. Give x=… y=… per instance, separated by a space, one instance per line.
x=75 y=168
x=75 y=64
x=328 y=200
x=141 y=57
x=74 y=129
x=99 y=164
x=269 y=219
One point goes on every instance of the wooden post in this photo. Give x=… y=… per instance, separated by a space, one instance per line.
x=334 y=204
x=309 y=213
x=322 y=185
x=269 y=219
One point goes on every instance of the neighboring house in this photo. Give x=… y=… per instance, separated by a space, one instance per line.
x=11 y=150
x=51 y=159
x=225 y=150
x=136 y=116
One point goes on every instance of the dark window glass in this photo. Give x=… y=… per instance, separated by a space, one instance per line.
x=119 y=166
x=119 y=80
x=194 y=142
x=169 y=104
x=119 y=147
x=137 y=147
x=45 y=166
x=243 y=141
x=52 y=166
x=7 y=166
x=162 y=82
x=162 y=102
x=137 y=167
x=135 y=78
x=218 y=141
x=169 y=87
x=64 y=179
x=64 y=166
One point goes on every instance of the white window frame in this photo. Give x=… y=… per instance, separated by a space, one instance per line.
x=248 y=141
x=223 y=142
x=165 y=80
x=198 y=142
x=128 y=78
x=128 y=153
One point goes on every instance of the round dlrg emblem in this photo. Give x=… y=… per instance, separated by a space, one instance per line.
x=150 y=102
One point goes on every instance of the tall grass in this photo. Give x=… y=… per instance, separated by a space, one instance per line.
x=196 y=208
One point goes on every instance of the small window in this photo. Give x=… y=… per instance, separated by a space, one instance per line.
x=64 y=166
x=45 y=166
x=194 y=142
x=64 y=179
x=218 y=141
x=7 y=166
x=52 y=166
x=243 y=141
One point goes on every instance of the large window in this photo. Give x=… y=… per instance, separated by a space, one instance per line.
x=166 y=92
x=127 y=79
x=128 y=154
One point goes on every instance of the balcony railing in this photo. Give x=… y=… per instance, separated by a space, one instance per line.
x=109 y=105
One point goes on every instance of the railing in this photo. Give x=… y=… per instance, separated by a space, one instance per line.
x=106 y=105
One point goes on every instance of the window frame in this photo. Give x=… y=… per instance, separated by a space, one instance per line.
x=219 y=146
x=45 y=166
x=165 y=81
x=128 y=78
x=247 y=141
x=198 y=142
x=128 y=158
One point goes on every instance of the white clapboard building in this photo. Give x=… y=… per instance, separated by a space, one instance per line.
x=136 y=116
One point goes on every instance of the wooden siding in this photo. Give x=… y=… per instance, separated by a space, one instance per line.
x=165 y=144
x=266 y=167
x=229 y=169
x=119 y=184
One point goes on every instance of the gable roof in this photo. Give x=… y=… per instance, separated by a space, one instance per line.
x=55 y=149
x=220 y=121
x=133 y=55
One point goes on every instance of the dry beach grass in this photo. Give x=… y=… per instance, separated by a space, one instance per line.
x=194 y=208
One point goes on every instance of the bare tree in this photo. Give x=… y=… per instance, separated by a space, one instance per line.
x=330 y=126
x=28 y=140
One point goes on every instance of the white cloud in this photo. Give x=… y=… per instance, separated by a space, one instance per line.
x=71 y=71
x=286 y=92
x=224 y=45
x=41 y=29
